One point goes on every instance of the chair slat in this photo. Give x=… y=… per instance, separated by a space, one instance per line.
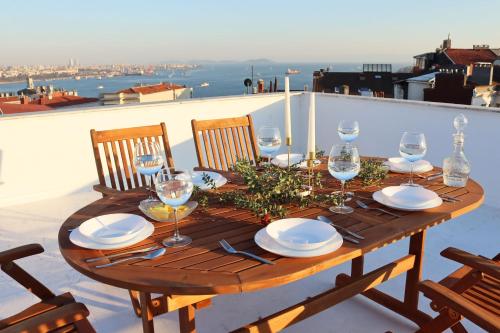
x=110 y=166
x=251 y=156
x=227 y=148
x=214 y=150
x=236 y=142
x=220 y=150
x=118 y=167
x=125 y=163
x=135 y=174
x=207 y=149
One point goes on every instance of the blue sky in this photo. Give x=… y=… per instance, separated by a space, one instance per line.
x=151 y=31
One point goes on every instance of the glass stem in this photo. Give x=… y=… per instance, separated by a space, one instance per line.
x=151 y=187
x=342 y=189
x=176 y=231
x=411 y=174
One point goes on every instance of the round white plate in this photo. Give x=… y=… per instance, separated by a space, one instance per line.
x=282 y=160
x=400 y=165
x=112 y=228
x=78 y=239
x=382 y=199
x=301 y=234
x=219 y=179
x=267 y=243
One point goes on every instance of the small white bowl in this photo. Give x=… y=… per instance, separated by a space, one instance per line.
x=112 y=228
x=301 y=234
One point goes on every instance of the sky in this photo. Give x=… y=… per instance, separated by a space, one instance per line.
x=156 y=31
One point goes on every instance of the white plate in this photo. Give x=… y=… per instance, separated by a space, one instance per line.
x=112 y=228
x=78 y=239
x=382 y=199
x=410 y=196
x=400 y=165
x=296 y=160
x=301 y=234
x=219 y=179
x=267 y=243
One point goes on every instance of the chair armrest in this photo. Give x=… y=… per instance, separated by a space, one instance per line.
x=50 y=320
x=20 y=252
x=461 y=305
x=105 y=190
x=482 y=264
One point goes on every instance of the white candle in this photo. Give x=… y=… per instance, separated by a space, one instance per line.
x=288 y=121
x=311 y=139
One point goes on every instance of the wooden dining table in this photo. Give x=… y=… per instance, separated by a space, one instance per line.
x=189 y=277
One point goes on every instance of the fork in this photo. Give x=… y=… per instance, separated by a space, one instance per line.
x=226 y=246
x=365 y=206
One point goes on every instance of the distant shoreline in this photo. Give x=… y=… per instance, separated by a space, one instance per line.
x=9 y=82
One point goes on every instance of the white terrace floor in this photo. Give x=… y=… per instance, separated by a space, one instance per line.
x=111 y=312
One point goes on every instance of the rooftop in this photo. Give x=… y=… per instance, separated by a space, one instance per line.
x=470 y=56
x=151 y=89
x=46 y=179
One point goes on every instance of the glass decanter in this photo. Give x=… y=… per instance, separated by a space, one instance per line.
x=456 y=168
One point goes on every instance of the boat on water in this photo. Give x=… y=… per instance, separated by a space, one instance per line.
x=100 y=87
x=77 y=77
x=204 y=84
x=293 y=71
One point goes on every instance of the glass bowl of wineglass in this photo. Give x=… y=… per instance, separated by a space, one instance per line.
x=148 y=160
x=174 y=188
x=269 y=141
x=348 y=130
x=343 y=164
x=412 y=148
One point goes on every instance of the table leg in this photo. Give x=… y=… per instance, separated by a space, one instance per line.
x=414 y=275
x=146 y=312
x=357 y=265
x=187 y=319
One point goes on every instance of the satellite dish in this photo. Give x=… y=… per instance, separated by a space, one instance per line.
x=247 y=83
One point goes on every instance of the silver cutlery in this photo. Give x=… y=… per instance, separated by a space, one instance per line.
x=226 y=246
x=449 y=199
x=365 y=206
x=151 y=248
x=434 y=177
x=150 y=256
x=347 y=231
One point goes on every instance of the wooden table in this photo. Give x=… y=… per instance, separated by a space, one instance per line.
x=189 y=277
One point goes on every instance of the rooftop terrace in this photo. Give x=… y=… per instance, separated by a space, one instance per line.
x=47 y=171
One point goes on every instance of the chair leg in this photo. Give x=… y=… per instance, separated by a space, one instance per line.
x=440 y=323
x=187 y=319
x=84 y=326
x=458 y=328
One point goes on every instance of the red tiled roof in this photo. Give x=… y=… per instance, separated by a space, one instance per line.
x=9 y=99
x=61 y=101
x=8 y=108
x=469 y=56
x=151 y=89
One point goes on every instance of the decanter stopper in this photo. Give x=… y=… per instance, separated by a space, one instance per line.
x=460 y=123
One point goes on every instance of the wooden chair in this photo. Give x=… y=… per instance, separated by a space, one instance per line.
x=53 y=314
x=224 y=141
x=472 y=291
x=114 y=152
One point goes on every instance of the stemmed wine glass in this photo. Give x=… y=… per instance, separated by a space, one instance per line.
x=174 y=188
x=343 y=164
x=269 y=141
x=148 y=161
x=412 y=148
x=348 y=130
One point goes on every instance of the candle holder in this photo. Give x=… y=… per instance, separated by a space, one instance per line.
x=310 y=166
x=289 y=145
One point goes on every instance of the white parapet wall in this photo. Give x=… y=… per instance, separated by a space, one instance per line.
x=49 y=154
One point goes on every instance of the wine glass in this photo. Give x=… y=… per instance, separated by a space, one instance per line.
x=412 y=148
x=269 y=140
x=348 y=130
x=148 y=161
x=343 y=164
x=174 y=188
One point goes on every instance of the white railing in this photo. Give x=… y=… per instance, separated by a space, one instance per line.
x=49 y=154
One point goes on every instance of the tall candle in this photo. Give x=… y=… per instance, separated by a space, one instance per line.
x=288 y=121
x=311 y=139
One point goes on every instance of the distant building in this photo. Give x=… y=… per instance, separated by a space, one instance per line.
x=147 y=93
x=376 y=80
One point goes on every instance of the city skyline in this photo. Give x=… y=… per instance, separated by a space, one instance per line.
x=157 y=32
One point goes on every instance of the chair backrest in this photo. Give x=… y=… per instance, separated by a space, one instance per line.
x=221 y=142
x=114 y=152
